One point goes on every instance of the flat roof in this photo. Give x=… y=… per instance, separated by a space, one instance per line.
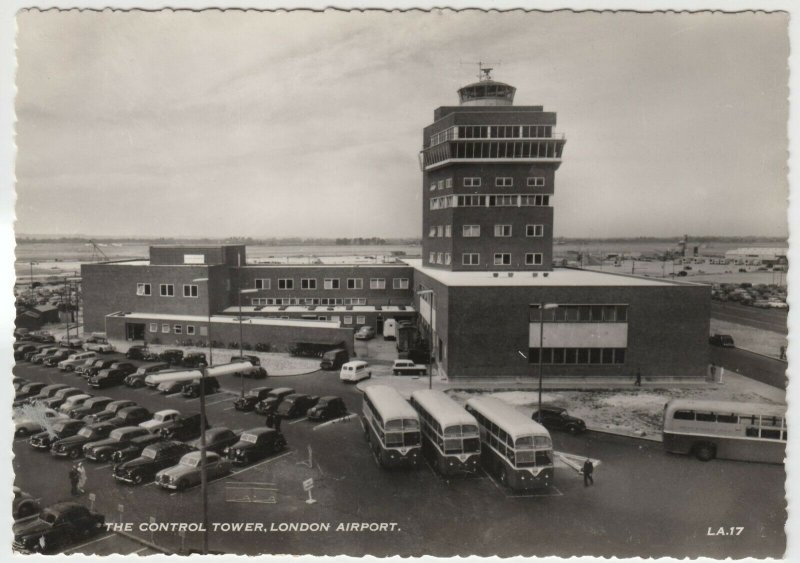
x=555 y=278
x=308 y=323
x=278 y=309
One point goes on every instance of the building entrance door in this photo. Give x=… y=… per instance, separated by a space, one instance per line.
x=379 y=324
x=134 y=331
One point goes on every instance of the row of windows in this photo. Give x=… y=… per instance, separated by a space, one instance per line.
x=332 y=283
x=178 y=329
x=474 y=258
x=440 y=231
x=581 y=314
x=577 y=355
x=499 y=182
x=499 y=200
x=492 y=132
x=519 y=454
x=492 y=150
x=769 y=427
x=474 y=231
x=165 y=290
x=327 y=301
x=442 y=184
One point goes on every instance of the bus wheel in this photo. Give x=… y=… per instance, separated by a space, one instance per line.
x=705 y=452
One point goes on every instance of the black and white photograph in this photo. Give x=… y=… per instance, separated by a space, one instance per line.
x=409 y=283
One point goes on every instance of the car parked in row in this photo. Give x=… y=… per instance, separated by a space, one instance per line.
x=135 y=448
x=217 y=439
x=192 y=389
x=136 y=379
x=72 y=446
x=74 y=402
x=102 y=450
x=75 y=360
x=194 y=360
x=153 y=459
x=248 y=402
x=268 y=405
x=186 y=473
x=160 y=419
x=183 y=427
x=26 y=425
x=46 y=392
x=557 y=418
x=255 y=444
x=57 y=527
x=28 y=390
x=111 y=377
x=170 y=387
x=98 y=344
x=408 y=367
x=61 y=429
x=110 y=411
x=327 y=408
x=54 y=359
x=137 y=352
x=24 y=505
x=131 y=416
x=296 y=405
x=172 y=356
x=89 y=406
x=44 y=354
x=61 y=397
x=97 y=367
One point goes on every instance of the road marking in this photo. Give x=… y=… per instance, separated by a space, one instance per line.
x=242 y=470
x=103 y=466
x=299 y=420
x=77 y=547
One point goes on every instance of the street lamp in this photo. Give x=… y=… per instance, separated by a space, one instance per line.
x=542 y=307
x=430 y=347
x=203 y=468
x=241 y=337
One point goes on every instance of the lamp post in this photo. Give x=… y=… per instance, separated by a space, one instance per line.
x=203 y=467
x=542 y=307
x=31 y=288
x=430 y=347
x=241 y=337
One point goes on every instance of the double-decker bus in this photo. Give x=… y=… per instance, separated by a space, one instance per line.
x=516 y=449
x=391 y=426
x=450 y=437
x=725 y=430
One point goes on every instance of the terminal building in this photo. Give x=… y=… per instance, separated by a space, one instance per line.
x=484 y=294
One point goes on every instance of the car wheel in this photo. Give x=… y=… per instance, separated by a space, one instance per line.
x=181 y=485
x=26 y=509
x=137 y=479
x=705 y=452
x=102 y=457
x=21 y=432
x=572 y=429
x=74 y=454
x=70 y=368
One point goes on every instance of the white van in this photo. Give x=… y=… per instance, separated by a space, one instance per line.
x=389 y=329
x=354 y=371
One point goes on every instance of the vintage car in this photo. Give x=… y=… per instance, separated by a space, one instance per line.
x=44 y=354
x=37 y=349
x=61 y=397
x=72 y=446
x=45 y=393
x=170 y=387
x=187 y=472
x=131 y=416
x=172 y=356
x=135 y=448
x=57 y=527
x=98 y=344
x=28 y=390
x=61 y=429
x=19 y=382
x=160 y=419
x=54 y=359
x=153 y=459
x=408 y=367
x=327 y=408
x=76 y=360
x=90 y=406
x=365 y=333
x=557 y=418
x=192 y=389
x=248 y=401
x=23 y=505
x=102 y=450
x=183 y=427
x=26 y=424
x=137 y=352
x=96 y=368
x=136 y=379
x=194 y=360
x=268 y=405
x=296 y=405
x=255 y=444
x=74 y=402
x=217 y=439
x=110 y=411
x=110 y=377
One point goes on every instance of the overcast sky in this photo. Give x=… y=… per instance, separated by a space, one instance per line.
x=303 y=124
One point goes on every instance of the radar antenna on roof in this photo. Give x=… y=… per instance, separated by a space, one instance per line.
x=484 y=71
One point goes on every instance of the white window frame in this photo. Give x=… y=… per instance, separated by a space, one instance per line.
x=286 y=286
x=309 y=283
x=432 y=231
x=330 y=283
x=377 y=283
x=467 y=259
x=177 y=329
x=533 y=229
x=535 y=181
x=501 y=256
x=165 y=328
x=144 y=289
x=448 y=231
x=440 y=257
x=440 y=185
x=432 y=258
x=400 y=283
x=500 y=230
x=447 y=258
x=448 y=183
x=471 y=231
x=153 y=327
x=433 y=186
x=440 y=231
x=358 y=283
x=166 y=289
x=472 y=182
x=361 y=319
x=262 y=283
x=190 y=330
x=192 y=288
x=348 y=319
x=504 y=182
x=531 y=258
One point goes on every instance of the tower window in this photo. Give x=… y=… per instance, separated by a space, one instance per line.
x=440 y=231
x=535 y=181
x=534 y=230
x=502 y=259
x=504 y=182
x=440 y=184
x=471 y=231
x=448 y=183
x=432 y=232
x=470 y=259
x=286 y=283
x=448 y=231
x=502 y=230
x=447 y=258
x=533 y=258
x=472 y=182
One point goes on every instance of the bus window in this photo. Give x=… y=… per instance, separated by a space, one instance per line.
x=683 y=415
x=731 y=418
x=541 y=442
x=394 y=439
x=474 y=444
x=543 y=458
x=452 y=446
x=524 y=442
x=771 y=434
x=751 y=432
x=411 y=438
x=394 y=425
x=525 y=458
x=705 y=417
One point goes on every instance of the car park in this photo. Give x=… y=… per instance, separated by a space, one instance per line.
x=172 y=356
x=334 y=359
x=90 y=406
x=75 y=360
x=248 y=402
x=119 y=438
x=255 y=444
x=408 y=367
x=54 y=359
x=60 y=397
x=723 y=340
x=354 y=371
x=194 y=360
x=24 y=505
x=186 y=473
x=153 y=459
x=110 y=411
x=217 y=439
x=57 y=527
x=327 y=408
x=72 y=446
x=61 y=429
x=296 y=405
x=160 y=419
x=25 y=425
x=183 y=427
x=136 y=379
x=74 y=402
x=557 y=418
x=365 y=333
x=192 y=389
x=268 y=405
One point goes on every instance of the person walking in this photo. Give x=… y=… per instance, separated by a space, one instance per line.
x=81 y=478
x=638 y=382
x=270 y=420
x=588 y=470
x=74 y=477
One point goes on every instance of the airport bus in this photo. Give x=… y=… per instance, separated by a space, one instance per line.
x=391 y=427
x=516 y=449
x=450 y=437
x=725 y=430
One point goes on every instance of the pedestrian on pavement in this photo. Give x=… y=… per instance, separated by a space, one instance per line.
x=81 y=478
x=270 y=420
x=74 y=476
x=278 y=422
x=638 y=378
x=783 y=353
x=588 y=469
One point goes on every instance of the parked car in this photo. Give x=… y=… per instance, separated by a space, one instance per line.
x=37 y=349
x=184 y=427
x=98 y=344
x=21 y=351
x=365 y=333
x=194 y=360
x=137 y=352
x=408 y=367
x=54 y=359
x=96 y=368
x=192 y=389
x=44 y=354
x=56 y=527
x=90 y=406
x=136 y=379
x=28 y=390
x=248 y=401
x=724 y=340
x=70 y=342
x=43 y=337
x=110 y=411
x=327 y=408
x=255 y=371
x=135 y=448
x=19 y=382
x=110 y=377
x=172 y=356
x=74 y=402
x=334 y=359
x=154 y=458
x=119 y=438
x=61 y=429
x=170 y=387
x=217 y=439
x=24 y=505
x=254 y=360
x=46 y=392
x=76 y=360
x=160 y=419
x=130 y=416
x=355 y=371
x=256 y=444
x=25 y=425
x=60 y=397
x=72 y=446
x=268 y=405
x=187 y=472
x=296 y=405
x=557 y=418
